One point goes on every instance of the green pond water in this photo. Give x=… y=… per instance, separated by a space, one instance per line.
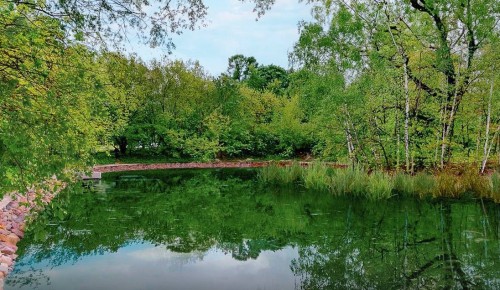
x=221 y=229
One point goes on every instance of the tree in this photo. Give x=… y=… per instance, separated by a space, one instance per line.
x=110 y=21
x=239 y=66
x=269 y=77
x=48 y=100
x=437 y=44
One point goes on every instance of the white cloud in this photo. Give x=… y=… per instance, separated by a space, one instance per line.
x=232 y=29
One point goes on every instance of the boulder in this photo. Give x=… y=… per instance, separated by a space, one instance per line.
x=8 y=249
x=6 y=260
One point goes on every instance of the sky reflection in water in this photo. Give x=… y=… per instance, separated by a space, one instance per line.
x=145 y=266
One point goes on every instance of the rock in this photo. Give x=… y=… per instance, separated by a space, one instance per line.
x=12 y=239
x=6 y=259
x=3 y=237
x=19 y=232
x=8 y=249
x=4 y=268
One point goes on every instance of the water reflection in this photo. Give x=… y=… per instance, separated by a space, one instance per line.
x=219 y=229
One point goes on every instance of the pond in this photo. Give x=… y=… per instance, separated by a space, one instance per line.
x=221 y=229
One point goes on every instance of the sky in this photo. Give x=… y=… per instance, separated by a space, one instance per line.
x=232 y=29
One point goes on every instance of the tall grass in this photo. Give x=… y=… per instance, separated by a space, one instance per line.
x=380 y=185
x=404 y=184
x=423 y=184
x=448 y=185
x=317 y=176
x=351 y=181
x=274 y=174
x=495 y=187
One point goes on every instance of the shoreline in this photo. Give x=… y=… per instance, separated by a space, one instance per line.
x=200 y=165
x=15 y=210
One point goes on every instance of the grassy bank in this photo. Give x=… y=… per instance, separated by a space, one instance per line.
x=382 y=185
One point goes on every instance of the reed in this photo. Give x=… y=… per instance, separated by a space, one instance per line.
x=475 y=183
x=271 y=174
x=291 y=174
x=424 y=184
x=448 y=185
x=380 y=186
x=404 y=184
x=274 y=174
x=495 y=187
x=317 y=176
x=352 y=181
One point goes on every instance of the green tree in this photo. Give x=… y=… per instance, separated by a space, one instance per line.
x=48 y=109
x=109 y=21
x=239 y=66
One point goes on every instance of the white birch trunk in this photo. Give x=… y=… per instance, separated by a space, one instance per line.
x=407 y=118
x=487 y=150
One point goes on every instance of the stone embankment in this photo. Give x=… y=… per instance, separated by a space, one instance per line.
x=15 y=210
x=217 y=164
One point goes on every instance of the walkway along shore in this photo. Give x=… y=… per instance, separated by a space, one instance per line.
x=200 y=165
x=15 y=210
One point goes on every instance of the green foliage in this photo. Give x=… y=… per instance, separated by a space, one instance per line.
x=50 y=105
x=365 y=88
x=98 y=21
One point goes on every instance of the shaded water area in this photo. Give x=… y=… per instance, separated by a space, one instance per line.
x=220 y=229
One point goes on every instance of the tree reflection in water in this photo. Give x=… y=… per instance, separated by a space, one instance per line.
x=342 y=243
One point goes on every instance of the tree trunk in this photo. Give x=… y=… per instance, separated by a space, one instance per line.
x=487 y=133
x=122 y=144
x=407 y=117
x=407 y=103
